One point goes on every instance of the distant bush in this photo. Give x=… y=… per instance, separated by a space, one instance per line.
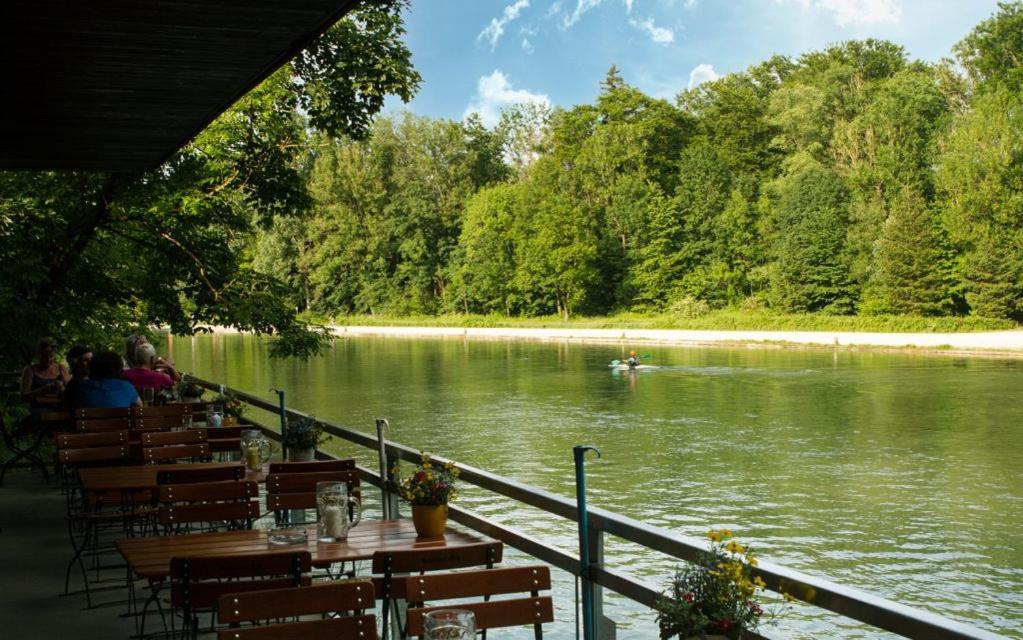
x=689 y=307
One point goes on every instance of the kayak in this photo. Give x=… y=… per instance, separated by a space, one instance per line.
x=638 y=367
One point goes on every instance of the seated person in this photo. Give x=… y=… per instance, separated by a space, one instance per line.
x=104 y=387
x=78 y=359
x=43 y=381
x=142 y=375
x=131 y=343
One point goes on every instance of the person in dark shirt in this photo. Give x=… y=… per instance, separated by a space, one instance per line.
x=104 y=388
x=78 y=359
x=633 y=360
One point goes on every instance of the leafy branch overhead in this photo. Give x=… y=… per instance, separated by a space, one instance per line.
x=87 y=255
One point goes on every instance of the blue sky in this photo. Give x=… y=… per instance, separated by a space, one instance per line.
x=486 y=54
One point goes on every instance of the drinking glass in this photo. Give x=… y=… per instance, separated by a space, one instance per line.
x=337 y=511
x=450 y=624
x=147 y=396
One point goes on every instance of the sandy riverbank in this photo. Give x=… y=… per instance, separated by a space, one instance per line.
x=993 y=342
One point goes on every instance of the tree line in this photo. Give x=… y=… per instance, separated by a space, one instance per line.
x=848 y=180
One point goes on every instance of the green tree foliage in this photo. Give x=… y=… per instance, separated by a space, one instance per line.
x=991 y=52
x=847 y=179
x=906 y=278
x=812 y=271
x=86 y=256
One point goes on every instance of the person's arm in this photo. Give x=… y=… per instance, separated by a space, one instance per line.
x=28 y=394
x=65 y=374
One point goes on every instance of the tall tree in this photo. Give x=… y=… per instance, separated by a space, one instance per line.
x=812 y=272
x=906 y=278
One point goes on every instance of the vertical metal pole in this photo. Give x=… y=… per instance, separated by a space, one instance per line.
x=579 y=452
x=284 y=421
x=385 y=473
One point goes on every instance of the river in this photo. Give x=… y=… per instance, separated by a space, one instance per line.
x=899 y=474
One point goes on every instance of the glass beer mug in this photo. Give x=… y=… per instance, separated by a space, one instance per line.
x=255 y=449
x=334 y=518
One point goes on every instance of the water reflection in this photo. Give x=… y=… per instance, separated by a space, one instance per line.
x=895 y=473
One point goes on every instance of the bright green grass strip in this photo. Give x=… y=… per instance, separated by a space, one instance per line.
x=722 y=320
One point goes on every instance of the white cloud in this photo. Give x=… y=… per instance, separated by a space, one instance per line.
x=628 y=5
x=494 y=93
x=493 y=31
x=581 y=7
x=847 y=12
x=527 y=46
x=702 y=73
x=554 y=10
x=657 y=34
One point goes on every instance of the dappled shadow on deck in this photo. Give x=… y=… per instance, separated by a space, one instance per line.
x=34 y=551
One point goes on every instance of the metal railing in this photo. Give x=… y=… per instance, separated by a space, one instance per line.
x=858 y=605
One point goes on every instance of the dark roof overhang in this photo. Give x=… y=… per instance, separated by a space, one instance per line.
x=121 y=85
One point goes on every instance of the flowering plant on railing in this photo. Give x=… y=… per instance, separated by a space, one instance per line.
x=232 y=405
x=716 y=595
x=430 y=484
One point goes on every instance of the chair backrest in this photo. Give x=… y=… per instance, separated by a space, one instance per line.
x=331 y=597
x=438 y=558
x=161 y=423
x=163 y=438
x=86 y=440
x=231 y=504
x=97 y=413
x=205 y=474
x=361 y=627
x=298 y=490
x=161 y=411
x=198 y=582
x=312 y=467
x=175 y=452
x=533 y=610
x=93 y=455
x=99 y=425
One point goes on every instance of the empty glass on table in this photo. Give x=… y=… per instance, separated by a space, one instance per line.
x=450 y=624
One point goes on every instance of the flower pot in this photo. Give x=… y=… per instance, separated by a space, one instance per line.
x=230 y=421
x=430 y=520
x=302 y=455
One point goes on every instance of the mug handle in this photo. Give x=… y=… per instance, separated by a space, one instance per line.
x=357 y=506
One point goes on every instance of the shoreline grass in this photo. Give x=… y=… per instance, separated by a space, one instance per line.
x=723 y=320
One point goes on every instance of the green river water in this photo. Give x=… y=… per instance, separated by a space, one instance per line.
x=899 y=474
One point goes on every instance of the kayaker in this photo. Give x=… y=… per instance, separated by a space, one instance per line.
x=633 y=360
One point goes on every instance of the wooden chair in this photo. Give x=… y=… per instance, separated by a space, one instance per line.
x=154 y=455
x=210 y=505
x=196 y=583
x=328 y=598
x=534 y=610
x=99 y=425
x=95 y=414
x=225 y=439
x=312 y=467
x=214 y=474
x=164 y=438
x=87 y=516
x=298 y=490
x=161 y=423
x=387 y=563
x=161 y=411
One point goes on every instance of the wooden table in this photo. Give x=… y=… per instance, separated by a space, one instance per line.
x=151 y=557
x=142 y=477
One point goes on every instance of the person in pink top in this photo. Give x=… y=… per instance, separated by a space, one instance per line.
x=143 y=375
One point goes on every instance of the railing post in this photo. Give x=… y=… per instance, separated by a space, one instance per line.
x=587 y=586
x=284 y=421
x=388 y=501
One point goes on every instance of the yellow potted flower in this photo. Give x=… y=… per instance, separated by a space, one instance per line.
x=429 y=489
x=714 y=597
